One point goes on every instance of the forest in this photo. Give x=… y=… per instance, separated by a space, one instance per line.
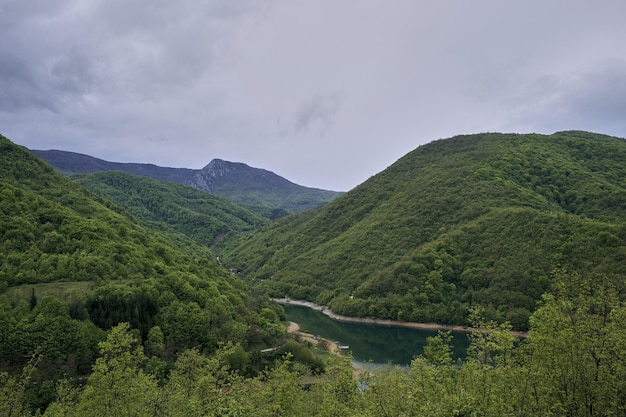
x=572 y=363
x=121 y=308
x=178 y=211
x=74 y=265
x=472 y=220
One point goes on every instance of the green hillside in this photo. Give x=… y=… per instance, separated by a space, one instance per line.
x=54 y=229
x=175 y=209
x=473 y=220
x=163 y=332
x=73 y=265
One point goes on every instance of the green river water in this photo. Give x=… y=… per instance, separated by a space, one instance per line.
x=371 y=343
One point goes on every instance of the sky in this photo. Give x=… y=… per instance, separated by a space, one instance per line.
x=325 y=93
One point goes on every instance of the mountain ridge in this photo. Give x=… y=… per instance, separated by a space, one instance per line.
x=90 y=265
x=258 y=189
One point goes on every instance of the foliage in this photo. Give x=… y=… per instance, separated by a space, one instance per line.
x=91 y=266
x=175 y=209
x=179 y=335
x=472 y=220
x=571 y=364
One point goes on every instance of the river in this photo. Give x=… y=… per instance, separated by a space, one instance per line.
x=372 y=343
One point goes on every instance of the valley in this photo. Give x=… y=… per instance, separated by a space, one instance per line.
x=123 y=294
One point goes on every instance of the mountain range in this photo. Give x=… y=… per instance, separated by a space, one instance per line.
x=483 y=220
x=257 y=189
x=111 y=303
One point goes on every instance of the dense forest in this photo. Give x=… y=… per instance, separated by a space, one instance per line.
x=120 y=309
x=573 y=363
x=179 y=211
x=474 y=220
x=73 y=266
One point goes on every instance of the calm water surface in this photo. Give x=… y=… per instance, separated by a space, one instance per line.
x=369 y=342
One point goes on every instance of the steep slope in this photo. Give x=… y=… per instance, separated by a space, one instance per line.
x=175 y=209
x=477 y=219
x=53 y=230
x=260 y=190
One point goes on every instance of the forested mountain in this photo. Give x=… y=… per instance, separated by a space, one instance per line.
x=260 y=190
x=142 y=327
x=472 y=220
x=174 y=209
x=73 y=265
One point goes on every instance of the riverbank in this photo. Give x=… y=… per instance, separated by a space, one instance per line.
x=358 y=370
x=382 y=322
x=294 y=328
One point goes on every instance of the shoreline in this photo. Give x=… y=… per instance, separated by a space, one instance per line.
x=332 y=348
x=294 y=328
x=383 y=322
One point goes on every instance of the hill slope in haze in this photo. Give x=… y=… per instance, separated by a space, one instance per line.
x=69 y=163
x=263 y=191
x=472 y=220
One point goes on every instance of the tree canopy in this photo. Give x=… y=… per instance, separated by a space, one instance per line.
x=471 y=220
x=74 y=265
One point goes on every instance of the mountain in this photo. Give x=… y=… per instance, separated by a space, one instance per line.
x=73 y=265
x=260 y=190
x=53 y=229
x=483 y=219
x=180 y=211
x=69 y=163
x=165 y=332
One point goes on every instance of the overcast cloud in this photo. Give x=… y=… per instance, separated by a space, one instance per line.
x=325 y=93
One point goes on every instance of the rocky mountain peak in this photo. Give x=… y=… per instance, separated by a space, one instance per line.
x=220 y=168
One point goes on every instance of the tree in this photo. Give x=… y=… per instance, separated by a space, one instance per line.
x=577 y=343
x=118 y=386
x=438 y=350
x=12 y=391
x=155 y=344
x=33 y=299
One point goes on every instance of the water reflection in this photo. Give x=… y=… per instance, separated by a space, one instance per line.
x=368 y=342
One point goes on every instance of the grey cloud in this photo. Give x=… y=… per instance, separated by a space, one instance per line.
x=592 y=99
x=74 y=74
x=182 y=82
x=20 y=87
x=141 y=48
x=600 y=94
x=317 y=113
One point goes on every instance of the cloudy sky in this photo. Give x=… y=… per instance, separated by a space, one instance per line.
x=323 y=92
